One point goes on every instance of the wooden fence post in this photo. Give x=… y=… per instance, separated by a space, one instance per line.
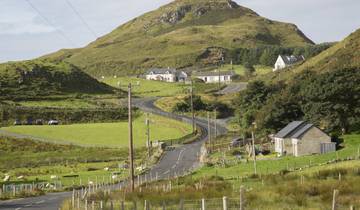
x=334 y=204
x=242 y=198
x=122 y=205
x=181 y=204
x=101 y=205
x=225 y=206
x=203 y=204
x=86 y=205
x=164 y=206
x=146 y=207
x=93 y=205
x=352 y=207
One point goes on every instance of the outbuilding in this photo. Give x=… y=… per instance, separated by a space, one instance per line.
x=300 y=138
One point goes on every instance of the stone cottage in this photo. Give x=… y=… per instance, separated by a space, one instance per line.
x=300 y=138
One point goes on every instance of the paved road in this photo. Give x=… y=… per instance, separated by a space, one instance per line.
x=174 y=162
x=233 y=88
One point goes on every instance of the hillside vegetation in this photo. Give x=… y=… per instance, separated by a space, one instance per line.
x=181 y=34
x=36 y=79
x=324 y=90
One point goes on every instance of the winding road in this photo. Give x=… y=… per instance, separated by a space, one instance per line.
x=177 y=161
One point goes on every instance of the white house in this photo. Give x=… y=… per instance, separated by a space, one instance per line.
x=285 y=61
x=300 y=138
x=166 y=75
x=215 y=76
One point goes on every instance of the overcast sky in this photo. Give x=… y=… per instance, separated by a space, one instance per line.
x=24 y=34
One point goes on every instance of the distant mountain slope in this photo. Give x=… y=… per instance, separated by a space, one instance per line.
x=345 y=54
x=34 y=79
x=181 y=34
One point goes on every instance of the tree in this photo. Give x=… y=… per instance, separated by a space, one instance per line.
x=249 y=70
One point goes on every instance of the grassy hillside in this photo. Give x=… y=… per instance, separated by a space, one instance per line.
x=35 y=79
x=324 y=90
x=345 y=54
x=181 y=34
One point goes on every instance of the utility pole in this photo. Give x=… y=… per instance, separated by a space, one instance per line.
x=209 y=130
x=148 y=134
x=192 y=107
x=253 y=147
x=215 y=123
x=131 y=145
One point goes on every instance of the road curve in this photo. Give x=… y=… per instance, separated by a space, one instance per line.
x=176 y=161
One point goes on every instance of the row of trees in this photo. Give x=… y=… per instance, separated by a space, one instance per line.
x=267 y=55
x=330 y=100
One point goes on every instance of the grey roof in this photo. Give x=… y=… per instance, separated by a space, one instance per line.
x=161 y=70
x=283 y=133
x=292 y=59
x=214 y=73
x=300 y=131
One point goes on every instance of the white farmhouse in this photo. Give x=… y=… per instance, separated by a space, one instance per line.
x=285 y=61
x=215 y=76
x=300 y=138
x=166 y=75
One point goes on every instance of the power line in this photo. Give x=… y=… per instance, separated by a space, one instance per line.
x=81 y=18
x=49 y=23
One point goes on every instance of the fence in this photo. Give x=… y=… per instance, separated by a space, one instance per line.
x=12 y=190
x=82 y=201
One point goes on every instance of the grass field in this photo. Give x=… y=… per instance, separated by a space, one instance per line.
x=38 y=161
x=142 y=87
x=107 y=134
x=240 y=70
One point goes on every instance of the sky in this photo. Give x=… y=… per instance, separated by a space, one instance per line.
x=29 y=30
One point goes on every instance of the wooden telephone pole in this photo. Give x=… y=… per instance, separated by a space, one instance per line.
x=253 y=147
x=131 y=144
x=215 y=124
x=148 y=134
x=209 y=130
x=192 y=106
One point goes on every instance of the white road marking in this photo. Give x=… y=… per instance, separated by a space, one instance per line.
x=42 y=201
x=17 y=208
x=166 y=172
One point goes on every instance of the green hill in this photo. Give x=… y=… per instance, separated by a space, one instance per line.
x=36 y=79
x=181 y=34
x=325 y=90
x=345 y=54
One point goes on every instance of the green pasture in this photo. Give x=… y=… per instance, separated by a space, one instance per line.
x=143 y=87
x=106 y=134
x=240 y=69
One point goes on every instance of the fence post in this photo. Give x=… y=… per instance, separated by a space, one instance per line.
x=73 y=199
x=122 y=205
x=86 y=204
x=93 y=205
x=352 y=207
x=225 y=203
x=203 y=204
x=101 y=205
x=181 y=204
x=164 y=206
x=146 y=205
x=334 y=205
x=242 y=198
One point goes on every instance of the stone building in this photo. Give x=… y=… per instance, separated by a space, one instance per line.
x=300 y=138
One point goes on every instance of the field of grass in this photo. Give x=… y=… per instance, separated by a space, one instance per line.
x=240 y=70
x=107 y=134
x=38 y=161
x=311 y=189
x=351 y=149
x=143 y=87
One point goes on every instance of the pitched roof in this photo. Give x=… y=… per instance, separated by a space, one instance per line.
x=284 y=133
x=291 y=59
x=300 y=131
x=161 y=70
x=214 y=73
